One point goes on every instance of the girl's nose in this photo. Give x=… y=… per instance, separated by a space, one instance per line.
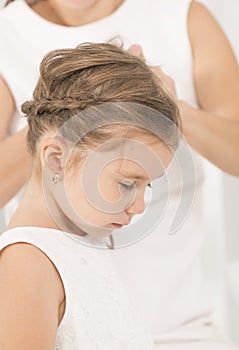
x=137 y=206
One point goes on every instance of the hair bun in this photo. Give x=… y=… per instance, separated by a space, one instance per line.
x=37 y=107
x=27 y=107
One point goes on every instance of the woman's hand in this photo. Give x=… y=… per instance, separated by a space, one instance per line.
x=165 y=80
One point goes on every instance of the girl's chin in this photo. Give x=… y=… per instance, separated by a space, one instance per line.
x=79 y=5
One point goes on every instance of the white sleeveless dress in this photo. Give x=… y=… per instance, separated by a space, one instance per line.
x=166 y=273
x=100 y=313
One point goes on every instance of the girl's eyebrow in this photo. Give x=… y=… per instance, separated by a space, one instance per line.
x=133 y=176
x=138 y=177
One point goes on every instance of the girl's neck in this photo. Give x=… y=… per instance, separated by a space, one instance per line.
x=60 y=14
x=33 y=211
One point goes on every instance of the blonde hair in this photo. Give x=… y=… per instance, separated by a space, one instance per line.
x=74 y=80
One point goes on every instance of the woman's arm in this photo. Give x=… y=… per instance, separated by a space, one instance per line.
x=30 y=295
x=213 y=129
x=15 y=162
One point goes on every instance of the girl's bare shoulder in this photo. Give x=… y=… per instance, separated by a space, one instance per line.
x=25 y=264
x=30 y=295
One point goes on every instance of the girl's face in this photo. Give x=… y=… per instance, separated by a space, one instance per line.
x=107 y=188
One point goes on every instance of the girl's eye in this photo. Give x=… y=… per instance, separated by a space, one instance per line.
x=127 y=185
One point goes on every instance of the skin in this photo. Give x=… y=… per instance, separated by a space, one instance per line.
x=14 y=170
x=39 y=287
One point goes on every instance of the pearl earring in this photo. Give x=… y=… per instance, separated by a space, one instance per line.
x=56 y=178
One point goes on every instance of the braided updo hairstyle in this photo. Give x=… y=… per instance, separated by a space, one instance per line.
x=72 y=80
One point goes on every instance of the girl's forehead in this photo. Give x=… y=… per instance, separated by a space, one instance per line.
x=145 y=155
x=132 y=170
x=139 y=170
x=133 y=159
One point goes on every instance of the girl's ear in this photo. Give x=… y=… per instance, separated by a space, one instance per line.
x=53 y=154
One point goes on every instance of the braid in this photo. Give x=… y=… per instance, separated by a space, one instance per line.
x=50 y=105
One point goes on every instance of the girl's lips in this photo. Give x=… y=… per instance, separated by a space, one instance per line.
x=117 y=225
x=120 y=225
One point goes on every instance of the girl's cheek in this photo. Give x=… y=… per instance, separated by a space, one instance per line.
x=108 y=189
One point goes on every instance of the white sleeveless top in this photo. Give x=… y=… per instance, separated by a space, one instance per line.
x=165 y=272
x=99 y=310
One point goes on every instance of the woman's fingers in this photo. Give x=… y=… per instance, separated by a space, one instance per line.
x=166 y=81
x=136 y=50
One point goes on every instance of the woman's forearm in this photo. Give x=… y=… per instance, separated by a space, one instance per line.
x=14 y=166
x=214 y=137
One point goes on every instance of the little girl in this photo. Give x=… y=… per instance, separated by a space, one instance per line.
x=101 y=128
